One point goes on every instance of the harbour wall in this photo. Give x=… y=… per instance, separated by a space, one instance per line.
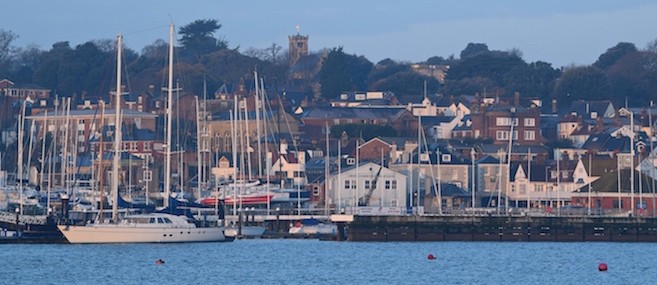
x=501 y=228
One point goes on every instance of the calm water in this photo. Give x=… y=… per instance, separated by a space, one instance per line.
x=323 y=262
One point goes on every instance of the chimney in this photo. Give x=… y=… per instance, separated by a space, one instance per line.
x=283 y=146
x=301 y=157
x=554 y=106
x=516 y=99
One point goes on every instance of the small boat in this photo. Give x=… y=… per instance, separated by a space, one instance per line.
x=245 y=231
x=313 y=227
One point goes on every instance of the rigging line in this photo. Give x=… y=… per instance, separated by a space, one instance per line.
x=270 y=124
x=146 y=30
x=127 y=75
x=438 y=155
x=86 y=147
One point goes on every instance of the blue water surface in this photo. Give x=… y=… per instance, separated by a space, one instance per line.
x=287 y=261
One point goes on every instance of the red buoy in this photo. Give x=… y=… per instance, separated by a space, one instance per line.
x=431 y=257
x=602 y=267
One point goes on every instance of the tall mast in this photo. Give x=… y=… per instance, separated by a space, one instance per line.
x=43 y=157
x=327 y=167
x=19 y=161
x=632 y=162
x=101 y=166
x=257 y=116
x=117 y=133
x=198 y=151
x=167 y=164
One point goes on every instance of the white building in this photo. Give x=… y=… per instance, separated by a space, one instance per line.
x=386 y=187
x=290 y=167
x=223 y=172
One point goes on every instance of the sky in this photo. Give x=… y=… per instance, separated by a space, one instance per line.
x=561 y=32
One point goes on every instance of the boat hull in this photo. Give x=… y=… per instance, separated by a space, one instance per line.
x=108 y=233
x=247 y=231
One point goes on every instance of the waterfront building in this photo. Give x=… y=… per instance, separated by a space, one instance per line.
x=371 y=184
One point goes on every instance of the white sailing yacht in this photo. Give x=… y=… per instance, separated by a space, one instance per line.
x=143 y=228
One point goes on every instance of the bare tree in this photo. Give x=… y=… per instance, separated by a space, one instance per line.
x=6 y=49
x=273 y=51
x=256 y=53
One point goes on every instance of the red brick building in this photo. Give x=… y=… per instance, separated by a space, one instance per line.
x=494 y=122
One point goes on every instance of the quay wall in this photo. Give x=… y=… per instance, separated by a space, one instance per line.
x=501 y=228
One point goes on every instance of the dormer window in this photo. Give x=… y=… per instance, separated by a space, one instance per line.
x=351 y=161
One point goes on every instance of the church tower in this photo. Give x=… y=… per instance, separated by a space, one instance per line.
x=298 y=47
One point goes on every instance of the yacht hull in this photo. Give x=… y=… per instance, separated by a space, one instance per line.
x=108 y=233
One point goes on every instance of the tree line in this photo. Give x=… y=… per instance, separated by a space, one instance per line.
x=622 y=74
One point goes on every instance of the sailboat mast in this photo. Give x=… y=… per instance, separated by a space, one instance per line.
x=101 y=166
x=327 y=158
x=167 y=164
x=19 y=161
x=257 y=116
x=117 y=133
x=198 y=151
x=43 y=157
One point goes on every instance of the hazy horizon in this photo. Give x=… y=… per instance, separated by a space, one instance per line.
x=559 y=32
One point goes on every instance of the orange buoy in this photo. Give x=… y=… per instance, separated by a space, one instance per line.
x=159 y=261
x=431 y=257
x=602 y=267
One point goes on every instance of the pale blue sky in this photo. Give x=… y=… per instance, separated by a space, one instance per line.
x=558 y=31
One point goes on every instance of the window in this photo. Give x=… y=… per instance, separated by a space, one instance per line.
x=148 y=175
x=502 y=135
x=504 y=121
x=616 y=204
x=530 y=122
x=387 y=184
x=393 y=184
x=530 y=135
x=367 y=184
x=347 y=184
x=351 y=161
x=353 y=184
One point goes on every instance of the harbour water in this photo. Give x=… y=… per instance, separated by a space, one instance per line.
x=287 y=261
